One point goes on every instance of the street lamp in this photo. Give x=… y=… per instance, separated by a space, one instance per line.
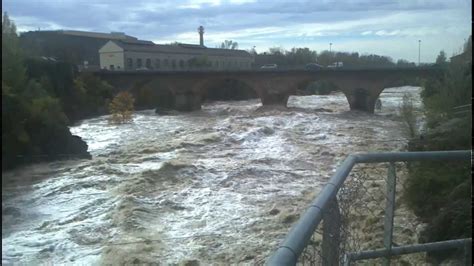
x=330 y=44
x=419 y=49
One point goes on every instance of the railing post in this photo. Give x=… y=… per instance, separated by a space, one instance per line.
x=331 y=234
x=468 y=253
x=389 y=211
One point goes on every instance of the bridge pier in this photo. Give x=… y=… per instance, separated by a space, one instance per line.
x=362 y=99
x=187 y=101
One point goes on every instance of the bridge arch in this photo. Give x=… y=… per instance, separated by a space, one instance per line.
x=154 y=94
x=361 y=94
x=225 y=89
x=317 y=86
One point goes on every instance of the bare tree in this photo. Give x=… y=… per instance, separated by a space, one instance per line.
x=229 y=44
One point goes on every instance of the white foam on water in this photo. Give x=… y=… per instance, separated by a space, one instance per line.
x=202 y=184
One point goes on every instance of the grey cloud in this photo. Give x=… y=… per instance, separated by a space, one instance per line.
x=99 y=14
x=155 y=20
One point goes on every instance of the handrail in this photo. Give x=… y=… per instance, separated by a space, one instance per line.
x=409 y=249
x=298 y=238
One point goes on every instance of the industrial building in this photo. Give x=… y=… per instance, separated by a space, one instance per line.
x=76 y=47
x=124 y=54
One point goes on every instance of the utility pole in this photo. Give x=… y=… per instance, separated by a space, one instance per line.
x=419 y=49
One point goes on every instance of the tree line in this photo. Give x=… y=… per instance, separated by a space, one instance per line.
x=302 y=56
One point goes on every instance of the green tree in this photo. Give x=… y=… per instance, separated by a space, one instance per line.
x=34 y=89
x=90 y=96
x=121 y=108
x=13 y=70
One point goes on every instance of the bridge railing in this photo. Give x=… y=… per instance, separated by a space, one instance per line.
x=258 y=69
x=358 y=216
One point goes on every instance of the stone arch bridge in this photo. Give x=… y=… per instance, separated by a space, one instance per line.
x=185 y=90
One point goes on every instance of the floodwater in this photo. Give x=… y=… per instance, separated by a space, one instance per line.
x=222 y=185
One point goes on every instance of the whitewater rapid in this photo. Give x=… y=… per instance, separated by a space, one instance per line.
x=220 y=185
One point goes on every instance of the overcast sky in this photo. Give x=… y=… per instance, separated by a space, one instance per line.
x=383 y=27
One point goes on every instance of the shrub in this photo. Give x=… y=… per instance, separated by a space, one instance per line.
x=121 y=108
x=408 y=114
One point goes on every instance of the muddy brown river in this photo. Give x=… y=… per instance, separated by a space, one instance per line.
x=218 y=186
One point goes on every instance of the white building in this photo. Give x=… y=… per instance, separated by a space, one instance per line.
x=136 y=54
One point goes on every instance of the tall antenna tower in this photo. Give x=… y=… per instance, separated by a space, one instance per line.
x=201 y=35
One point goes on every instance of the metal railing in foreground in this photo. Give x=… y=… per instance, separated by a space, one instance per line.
x=329 y=244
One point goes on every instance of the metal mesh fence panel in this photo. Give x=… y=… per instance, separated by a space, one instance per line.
x=362 y=216
x=362 y=204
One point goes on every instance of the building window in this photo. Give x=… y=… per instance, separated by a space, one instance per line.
x=173 y=64
x=157 y=63
x=112 y=67
x=181 y=64
x=166 y=63
x=139 y=62
x=148 y=63
x=129 y=63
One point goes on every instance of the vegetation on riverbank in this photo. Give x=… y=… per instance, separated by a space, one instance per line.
x=34 y=126
x=440 y=193
x=80 y=95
